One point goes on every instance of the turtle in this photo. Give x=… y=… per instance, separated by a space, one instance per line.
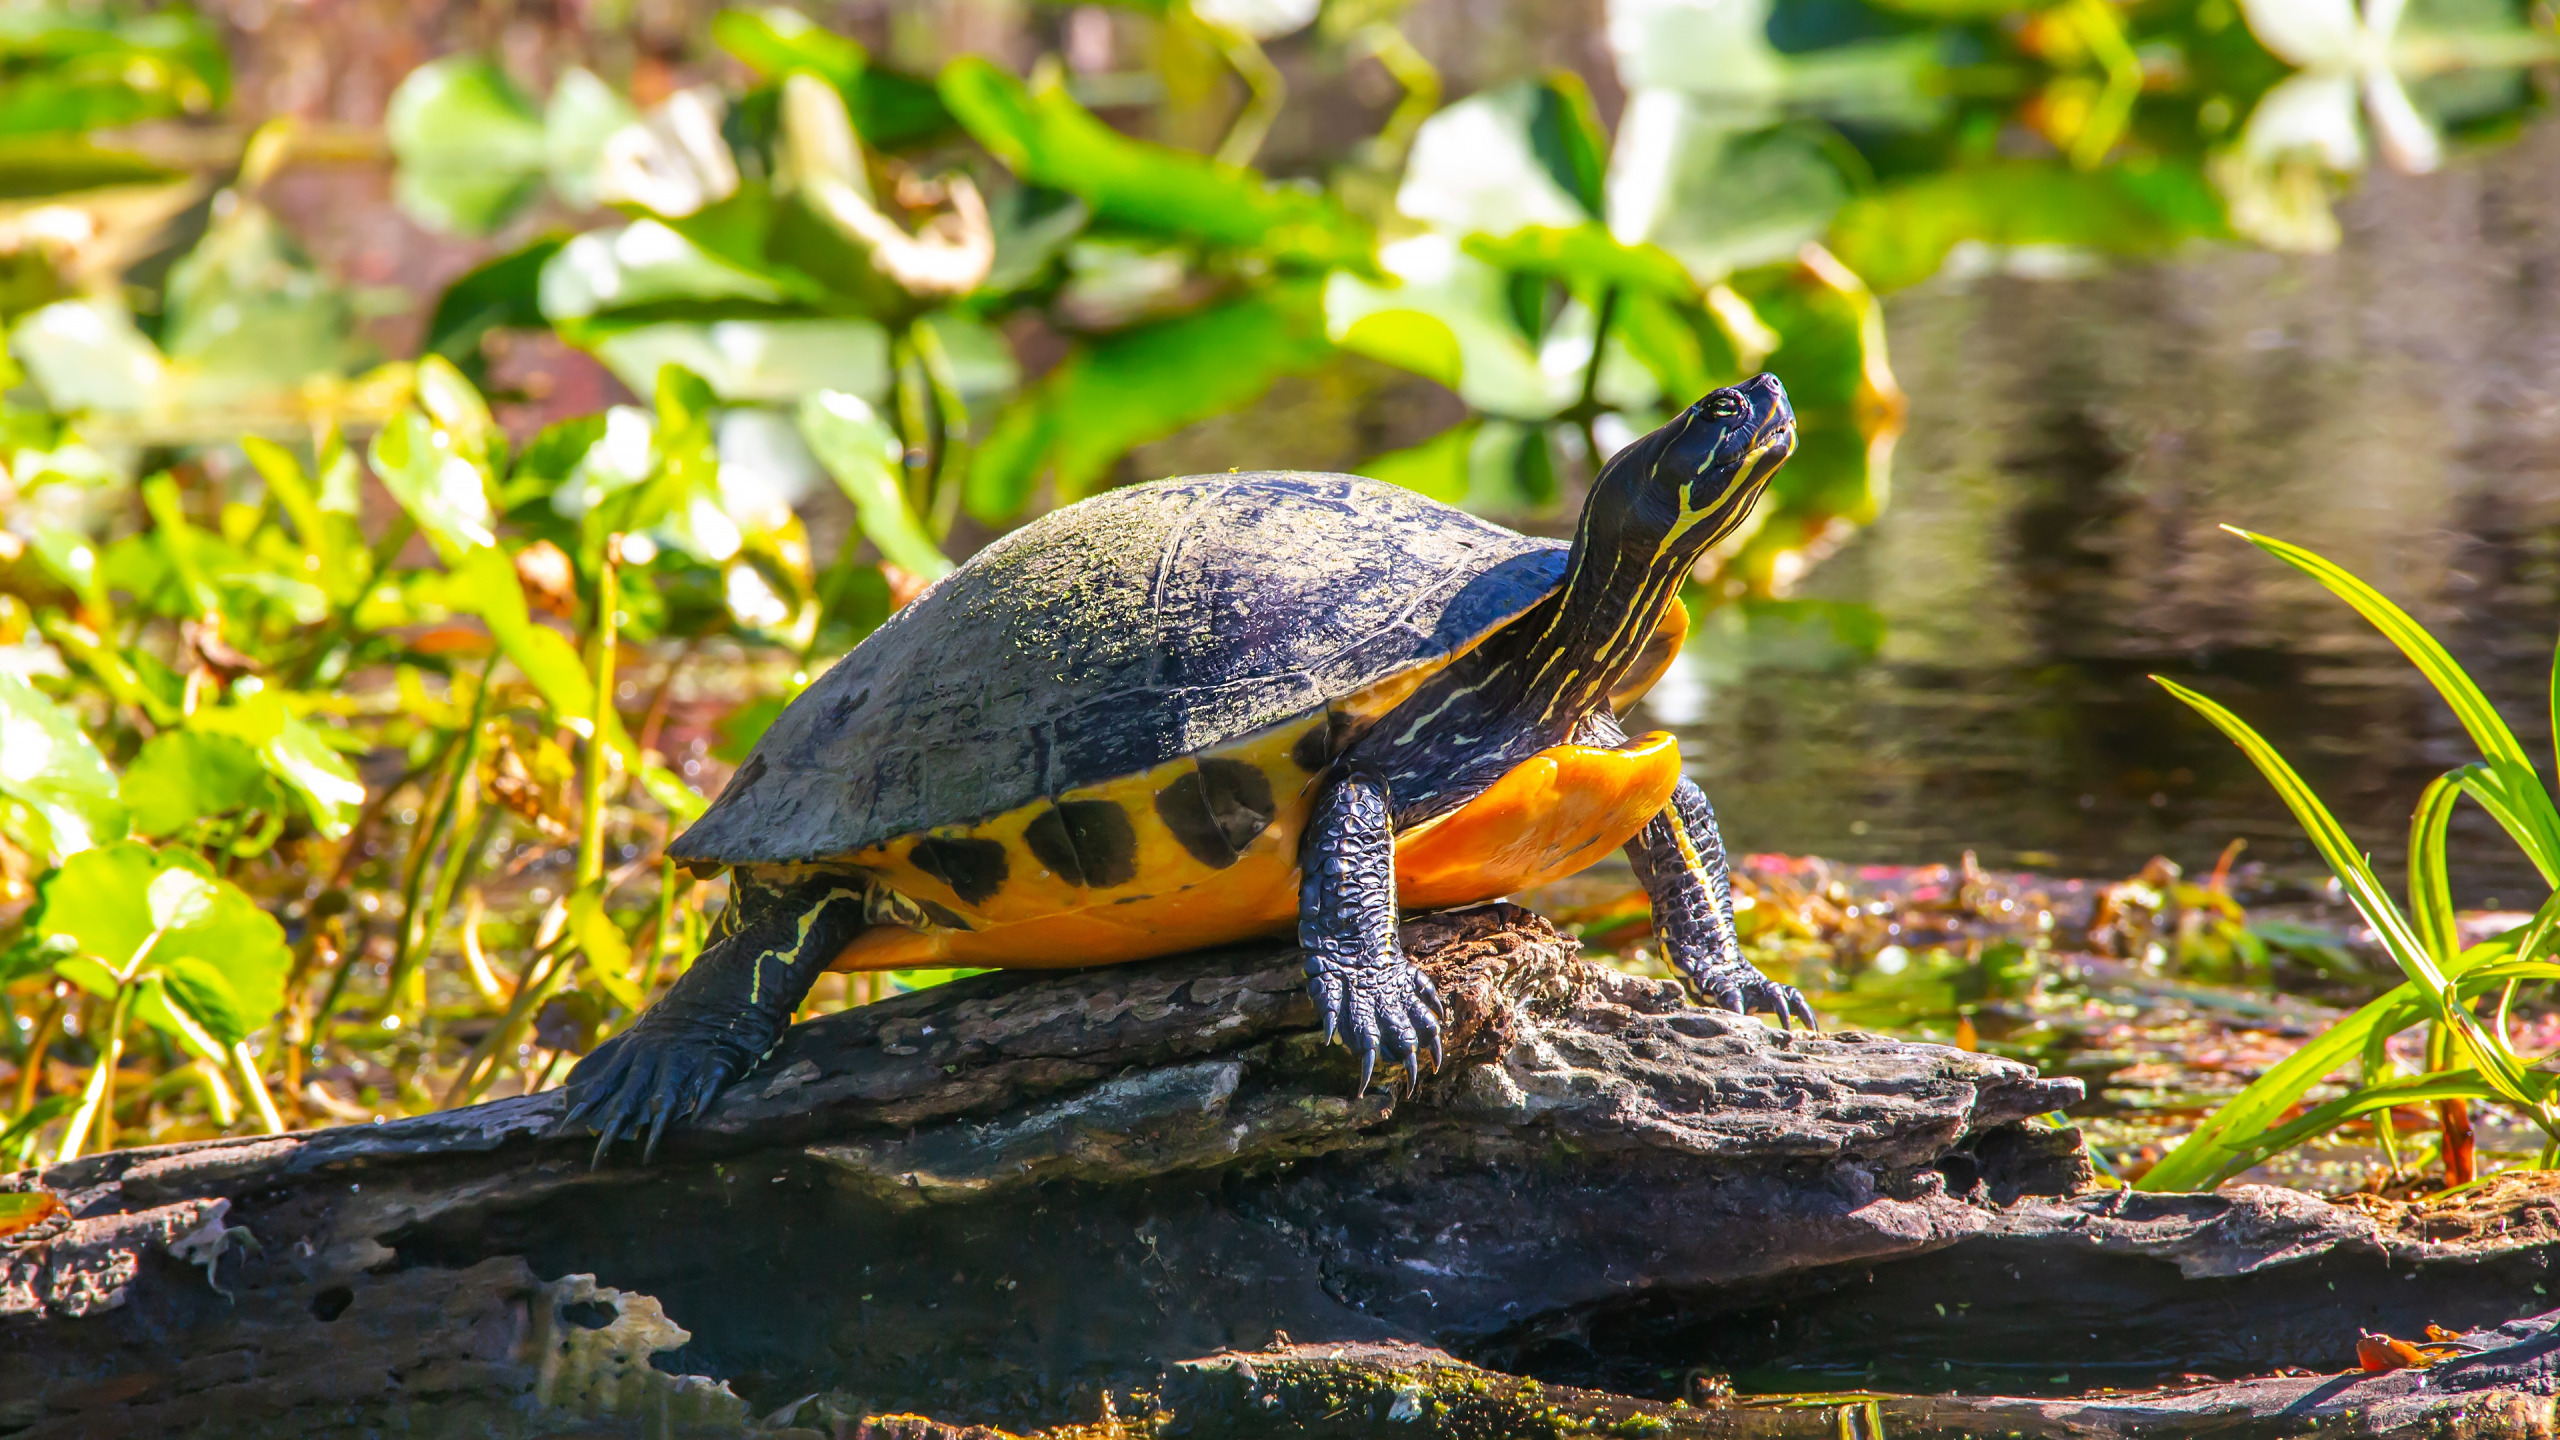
x=1190 y=712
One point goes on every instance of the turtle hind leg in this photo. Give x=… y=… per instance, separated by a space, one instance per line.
x=1366 y=991
x=727 y=1010
x=1679 y=859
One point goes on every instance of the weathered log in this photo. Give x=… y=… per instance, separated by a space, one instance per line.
x=1020 y=1199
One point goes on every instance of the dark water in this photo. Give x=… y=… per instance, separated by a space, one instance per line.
x=1970 y=671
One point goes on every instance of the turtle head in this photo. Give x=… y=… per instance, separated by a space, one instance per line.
x=1687 y=485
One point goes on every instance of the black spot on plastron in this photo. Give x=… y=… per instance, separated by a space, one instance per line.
x=974 y=869
x=1053 y=847
x=1314 y=750
x=1106 y=843
x=1217 y=809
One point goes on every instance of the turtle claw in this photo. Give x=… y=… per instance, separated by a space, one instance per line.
x=643 y=1080
x=1393 y=1007
x=1744 y=990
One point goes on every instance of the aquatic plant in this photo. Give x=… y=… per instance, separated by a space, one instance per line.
x=2467 y=1058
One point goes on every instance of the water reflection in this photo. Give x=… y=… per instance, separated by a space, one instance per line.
x=1969 y=672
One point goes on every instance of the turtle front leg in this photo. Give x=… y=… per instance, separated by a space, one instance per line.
x=723 y=1015
x=1366 y=990
x=1679 y=859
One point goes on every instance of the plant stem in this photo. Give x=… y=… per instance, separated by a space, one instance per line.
x=1587 y=408
x=48 y=1025
x=384 y=552
x=591 y=782
x=265 y=1104
x=465 y=756
x=950 y=430
x=98 y=1100
x=545 y=972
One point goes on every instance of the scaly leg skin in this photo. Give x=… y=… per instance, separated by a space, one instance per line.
x=724 y=1014
x=1679 y=859
x=1365 y=989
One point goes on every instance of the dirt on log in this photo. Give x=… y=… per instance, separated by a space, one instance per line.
x=1144 y=1197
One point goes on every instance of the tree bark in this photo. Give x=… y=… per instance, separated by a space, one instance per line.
x=1036 y=1199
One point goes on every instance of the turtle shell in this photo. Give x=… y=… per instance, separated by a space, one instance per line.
x=1111 y=639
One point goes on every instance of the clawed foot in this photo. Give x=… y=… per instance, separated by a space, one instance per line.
x=1743 y=990
x=647 y=1076
x=1393 y=1006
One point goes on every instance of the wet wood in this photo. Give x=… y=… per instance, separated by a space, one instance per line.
x=1023 y=1200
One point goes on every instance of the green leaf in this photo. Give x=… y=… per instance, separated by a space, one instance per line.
x=1048 y=139
x=1585 y=256
x=246 y=315
x=1902 y=234
x=86 y=355
x=294 y=753
x=583 y=115
x=1139 y=385
x=437 y=479
x=1437 y=467
x=144 y=915
x=864 y=456
x=500 y=294
x=2430 y=884
x=469 y=145
x=775 y=41
x=1722 y=190
x=1501 y=160
x=2457 y=1084
x=48 y=765
x=181 y=776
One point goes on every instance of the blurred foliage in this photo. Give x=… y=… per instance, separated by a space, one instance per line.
x=344 y=728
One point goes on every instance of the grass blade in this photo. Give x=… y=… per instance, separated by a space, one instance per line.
x=2537 y=821
x=2364 y=890
x=2430 y=885
x=2461 y=1084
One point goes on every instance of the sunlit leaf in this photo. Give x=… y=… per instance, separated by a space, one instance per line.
x=1903 y=233
x=892 y=111
x=294 y=753
x=864 y=456
x=181 y=776
x=2509 y=789
x=1140 y=385
x=1519 y=155
x=431 y=472
x=48 y=764
x=1720 y=191
x=581 y=118
x=144 y=914
x=87 y=355
x=470 y=146
x=247 y=314
x=1047 y=138
x=1438 y=467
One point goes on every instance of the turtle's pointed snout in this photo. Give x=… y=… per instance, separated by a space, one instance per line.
x=1767 y=398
